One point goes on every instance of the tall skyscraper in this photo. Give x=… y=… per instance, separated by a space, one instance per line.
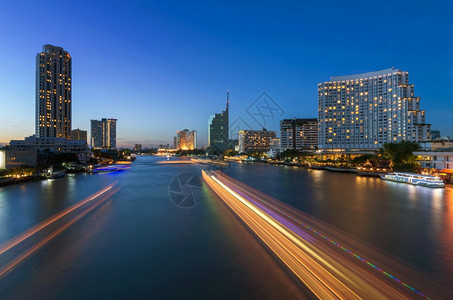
x=186 y=139
x=218 y=128
x=53 y=92
x=299 y=134
x=103 y=133
x=365 y=111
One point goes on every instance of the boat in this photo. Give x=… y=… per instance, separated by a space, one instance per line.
x=415 y=179
x=112 y=168
x=55 y=175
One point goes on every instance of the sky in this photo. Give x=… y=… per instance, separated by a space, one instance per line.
x=163 y=66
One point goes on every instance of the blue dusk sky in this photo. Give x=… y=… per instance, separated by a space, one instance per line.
x=162 y=66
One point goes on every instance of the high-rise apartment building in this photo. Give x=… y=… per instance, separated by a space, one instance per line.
x=299 y=134
x=255 y=140
x=186 y=139
x=79 y=135
x=53 y=92
x=103 y=133
x=218 y=129
x=365 y=111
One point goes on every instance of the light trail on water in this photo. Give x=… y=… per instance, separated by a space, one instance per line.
x=33 y=230
x=337 y=275
x=100 y=197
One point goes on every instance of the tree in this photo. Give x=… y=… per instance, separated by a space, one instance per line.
x=400 y=152
x=289 y=154
x=362 y=159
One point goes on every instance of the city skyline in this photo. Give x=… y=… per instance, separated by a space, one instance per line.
x=234 y=150
x=292 y=66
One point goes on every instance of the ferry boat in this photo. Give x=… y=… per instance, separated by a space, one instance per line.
x=112 y=168
x=416 y=179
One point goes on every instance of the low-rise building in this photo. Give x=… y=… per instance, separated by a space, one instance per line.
x=51 y=144
x=439 y=163
x=255 y=140
x=11 y=158
x=438 y=160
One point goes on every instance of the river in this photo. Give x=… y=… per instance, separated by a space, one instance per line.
x=140 y=243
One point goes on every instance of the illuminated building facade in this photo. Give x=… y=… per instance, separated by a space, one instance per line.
x=186 y=139
x=255 y=140
x=103 y=134
x=365 y=111
x=53 y=93
x=218 y=129
x=299 y=134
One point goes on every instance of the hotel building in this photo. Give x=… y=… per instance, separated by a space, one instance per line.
x=299 y=134
x=53 y=93
x=103 y=134
x=186 y=139
x=255 y=140
x=365 y=111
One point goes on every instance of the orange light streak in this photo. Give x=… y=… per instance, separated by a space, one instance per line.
x=11 y=265
x=29 y=232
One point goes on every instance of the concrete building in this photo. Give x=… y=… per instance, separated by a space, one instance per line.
x=186 y=139
x=103 y=134
x=365 y=111
x=51 y=144
x=79 y=135
x=12 y=158
x=439 y=160
x=53 y=93
x=299 y=134
x=255 y=140
x=218 y=129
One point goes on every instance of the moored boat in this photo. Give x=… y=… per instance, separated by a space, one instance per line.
x=415 y=179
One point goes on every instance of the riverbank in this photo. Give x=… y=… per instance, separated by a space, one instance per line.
x=17 y=180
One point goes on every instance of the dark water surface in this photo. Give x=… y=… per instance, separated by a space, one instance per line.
x=138 y=244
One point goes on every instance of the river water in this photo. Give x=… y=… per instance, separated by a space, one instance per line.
x=140 y=244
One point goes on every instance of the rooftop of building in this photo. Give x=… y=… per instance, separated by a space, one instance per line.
x=365 y=75
x=299 y=120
